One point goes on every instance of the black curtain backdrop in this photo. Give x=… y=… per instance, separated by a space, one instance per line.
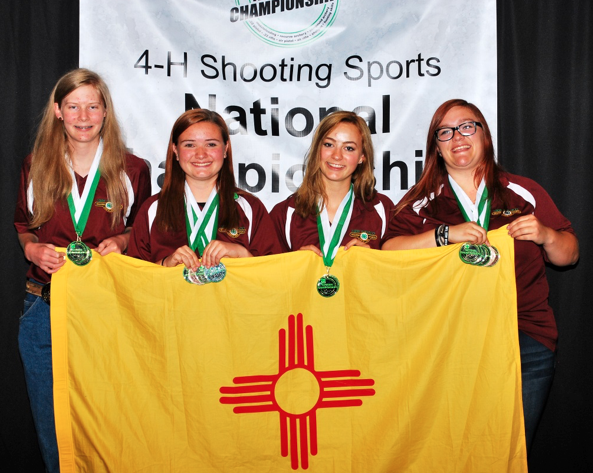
x=39 y=43
x=545 y=77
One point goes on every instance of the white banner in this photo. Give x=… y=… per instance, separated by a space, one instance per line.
x=274 y=68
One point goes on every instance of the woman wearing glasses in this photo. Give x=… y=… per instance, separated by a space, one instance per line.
x=463 y=193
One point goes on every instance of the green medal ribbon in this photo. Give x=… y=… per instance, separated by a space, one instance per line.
x=80 y=205
x=484 y=205
x=335 y=233
x=80 y=209
x=80 y=223
x=477 y=255
x=199 y=239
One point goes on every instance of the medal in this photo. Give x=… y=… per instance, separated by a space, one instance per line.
x=476 y=255
x=191 y=277
x=79 y=253
x=201 y=226
x=201 y=276
x=494 y=256
x=483 y=255
x=470 y=254
x=196 y=277
x=479 y=255
x=80 y=208
x=328 y=285
x=329 y=240
x=215 y=273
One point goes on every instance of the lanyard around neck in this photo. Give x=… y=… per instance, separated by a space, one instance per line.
x=466 y=206
x=80 y=205
x=330 y=236
x=201 y=224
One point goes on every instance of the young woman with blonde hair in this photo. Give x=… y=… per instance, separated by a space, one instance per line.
x=79 y=189
x=337 y=203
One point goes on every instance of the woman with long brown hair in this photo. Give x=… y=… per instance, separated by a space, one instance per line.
x=79 y=189
x=337 y=203
x=463 y=193
x=200 y=215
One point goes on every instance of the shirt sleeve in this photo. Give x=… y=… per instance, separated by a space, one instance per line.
x=278 y=218
x=388 y=208
x=139 y=246
x=407 y=222
x=546 y=210
x=141 y=186
x=264 y=240
x=21 y=213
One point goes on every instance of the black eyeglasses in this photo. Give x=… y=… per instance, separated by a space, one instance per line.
x=465 y=129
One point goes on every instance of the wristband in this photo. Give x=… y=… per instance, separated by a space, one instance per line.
x=437 y=232
x=441 y=235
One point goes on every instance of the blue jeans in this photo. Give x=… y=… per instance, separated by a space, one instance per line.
x=35 y=349
x=537 y=372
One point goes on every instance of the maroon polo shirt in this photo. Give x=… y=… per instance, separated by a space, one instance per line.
x=59 y=230
x=294 y=232
x=255 y=231
x=536 y=317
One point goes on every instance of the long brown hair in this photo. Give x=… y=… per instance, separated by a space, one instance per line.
x=50 y=173
x=308 y=194
x=170 y=212
x=435 y=174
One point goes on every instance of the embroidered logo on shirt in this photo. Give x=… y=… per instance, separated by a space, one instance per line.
x=108 y=206
x=363 y=236
x=233 y=232
x=505 y=213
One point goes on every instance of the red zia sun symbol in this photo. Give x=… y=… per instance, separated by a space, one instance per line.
x=297 y=408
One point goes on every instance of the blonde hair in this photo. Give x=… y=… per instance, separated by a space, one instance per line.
x=363 y=179
x=52 y=181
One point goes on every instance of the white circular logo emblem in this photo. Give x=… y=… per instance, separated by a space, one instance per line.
x=286 y=23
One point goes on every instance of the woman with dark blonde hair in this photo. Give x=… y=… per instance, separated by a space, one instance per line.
x=463 y=193
x=200 y=215
x=79 y=189
x=337 y=203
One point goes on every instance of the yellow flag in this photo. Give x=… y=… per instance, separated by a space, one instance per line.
x=413 y=366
